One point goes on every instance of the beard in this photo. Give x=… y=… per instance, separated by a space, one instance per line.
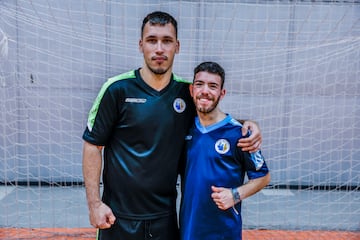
x=158 y=71
x=209 y=109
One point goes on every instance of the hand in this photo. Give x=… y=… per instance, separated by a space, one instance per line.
x=253 y=142
x=101 y=216
x=222 y=197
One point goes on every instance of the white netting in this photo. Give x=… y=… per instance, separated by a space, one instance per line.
x=291 y=65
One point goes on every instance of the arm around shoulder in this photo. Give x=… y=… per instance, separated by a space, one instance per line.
x=253 y=142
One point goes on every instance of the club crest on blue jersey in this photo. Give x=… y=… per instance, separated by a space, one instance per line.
x=222 y=146
x=179 y=105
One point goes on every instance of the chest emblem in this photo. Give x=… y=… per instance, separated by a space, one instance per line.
x=179 y=105
x=222 y=146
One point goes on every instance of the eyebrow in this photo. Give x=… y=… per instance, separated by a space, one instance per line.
x=162 y=37
x=202 y=81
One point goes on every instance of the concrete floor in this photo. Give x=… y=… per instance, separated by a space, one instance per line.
x=41 y=207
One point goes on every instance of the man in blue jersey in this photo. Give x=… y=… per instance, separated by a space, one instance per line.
x=212 y=184
x=136 y=129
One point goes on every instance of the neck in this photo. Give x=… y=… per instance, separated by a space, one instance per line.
x=156 y=81
x=207 y=119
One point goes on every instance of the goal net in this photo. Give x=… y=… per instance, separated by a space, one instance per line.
x=293 y=66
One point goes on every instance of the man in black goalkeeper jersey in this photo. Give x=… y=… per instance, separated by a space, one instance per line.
x=138 y=122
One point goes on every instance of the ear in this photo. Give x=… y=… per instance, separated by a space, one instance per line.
x=222 y=94
x=140 y=45
x=177 y=46
x=191 y=90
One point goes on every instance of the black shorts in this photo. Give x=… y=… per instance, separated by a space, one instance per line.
x=164 y=228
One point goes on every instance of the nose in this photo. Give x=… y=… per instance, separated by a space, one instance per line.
x=159 y=46
x=205 y=88
x=204 y=91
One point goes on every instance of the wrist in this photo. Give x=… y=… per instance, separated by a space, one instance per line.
x=94 y=204
x=236 y=195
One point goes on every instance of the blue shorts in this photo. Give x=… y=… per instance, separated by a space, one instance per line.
x=164 y=228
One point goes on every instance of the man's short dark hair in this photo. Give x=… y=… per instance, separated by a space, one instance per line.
x=211 y=67
x=160 y=18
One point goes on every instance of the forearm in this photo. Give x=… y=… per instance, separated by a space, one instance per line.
x=253 y=186
x=92 y=162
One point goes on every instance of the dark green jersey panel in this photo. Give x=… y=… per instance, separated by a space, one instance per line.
x=143 y=131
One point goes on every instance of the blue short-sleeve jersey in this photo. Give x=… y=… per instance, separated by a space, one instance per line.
x=143 y=131
x=213 y=159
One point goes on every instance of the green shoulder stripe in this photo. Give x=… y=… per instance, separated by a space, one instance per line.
x=180 y=79
x=95 y=107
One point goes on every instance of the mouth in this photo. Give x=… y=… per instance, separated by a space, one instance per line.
x=204 y=100
x=159 y=59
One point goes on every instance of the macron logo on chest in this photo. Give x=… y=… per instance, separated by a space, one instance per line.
x=135 y=100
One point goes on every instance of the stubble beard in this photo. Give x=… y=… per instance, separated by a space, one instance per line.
x=158 y=71
x=209 y=109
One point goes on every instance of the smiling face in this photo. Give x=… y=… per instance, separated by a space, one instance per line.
x=159 y=45
x=206 y=91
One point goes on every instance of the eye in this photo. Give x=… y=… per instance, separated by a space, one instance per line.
x=213 y=86
x=167 y=41
x=152 y=41
x=198 y=84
